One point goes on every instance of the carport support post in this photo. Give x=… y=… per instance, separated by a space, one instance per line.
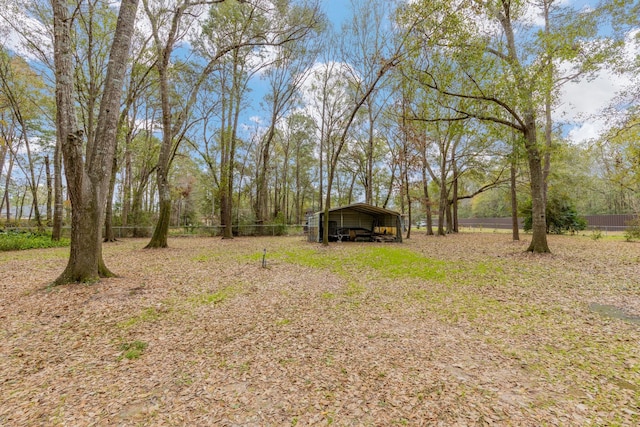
x=325 y=225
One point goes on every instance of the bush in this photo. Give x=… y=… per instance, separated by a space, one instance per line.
x=633 y=230
x=561 y=216
x=596 y=234
x=13 y=240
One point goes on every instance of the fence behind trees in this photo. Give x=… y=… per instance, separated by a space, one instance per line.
x=594 y=222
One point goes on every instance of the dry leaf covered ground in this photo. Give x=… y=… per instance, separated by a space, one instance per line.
x=462 y=330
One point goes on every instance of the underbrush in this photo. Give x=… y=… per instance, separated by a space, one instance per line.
x=19 y=240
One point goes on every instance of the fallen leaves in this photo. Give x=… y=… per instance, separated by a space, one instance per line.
x=480 y=333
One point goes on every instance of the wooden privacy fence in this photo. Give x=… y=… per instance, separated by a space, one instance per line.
x=599 y=222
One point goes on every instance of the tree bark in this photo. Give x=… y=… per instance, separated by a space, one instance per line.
x=6 y=198
x=539 y=227
x=515 y=229
x=58 y=207
x=108 y=220
x=47 y=166
x=88 y=176
x=529 y=125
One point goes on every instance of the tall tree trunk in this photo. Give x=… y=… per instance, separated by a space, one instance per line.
x=515 y=229
x=161 y=229
x=425 y=190
x=262 y=191
x=407 y=190
x=529 y=131
x=3 y=153
x=33 y=184
x=126 y=188
x=108 y=220
x=454 y=199
x=444 y=199
x=548 y=125
x=539 y=228
x=47 y=167
x=369 y=159
x=58 y=207
x=6 y=198
x=88 y=178
x=21 y=208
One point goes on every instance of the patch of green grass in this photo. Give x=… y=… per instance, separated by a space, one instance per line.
x=14 y=241
x=354 y=289
x=486 y=269
x=133 y=350
x=312 y=258
x=180 y=306
x=397 y=263
x=384 y=261
x=204 y=257
x=150 y=314
x=216 y=297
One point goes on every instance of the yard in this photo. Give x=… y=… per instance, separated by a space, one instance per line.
x=462 y=330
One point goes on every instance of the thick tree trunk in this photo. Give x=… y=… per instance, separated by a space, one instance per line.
x=161 y=230
x=515 y=230
x=159 y=238
x=88 y=178
x=539 y=228
x=529 y=130
x=85 y=260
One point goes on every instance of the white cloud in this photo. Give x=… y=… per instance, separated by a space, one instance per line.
x=586 y=131
x=583 y=102
x=587 y=97
x=19 y=30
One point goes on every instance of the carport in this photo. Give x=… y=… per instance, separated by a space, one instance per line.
x=358 y=222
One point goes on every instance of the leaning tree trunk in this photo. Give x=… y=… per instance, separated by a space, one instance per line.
x=88 y=177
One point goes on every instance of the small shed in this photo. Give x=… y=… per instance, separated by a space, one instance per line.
x=358 y=222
